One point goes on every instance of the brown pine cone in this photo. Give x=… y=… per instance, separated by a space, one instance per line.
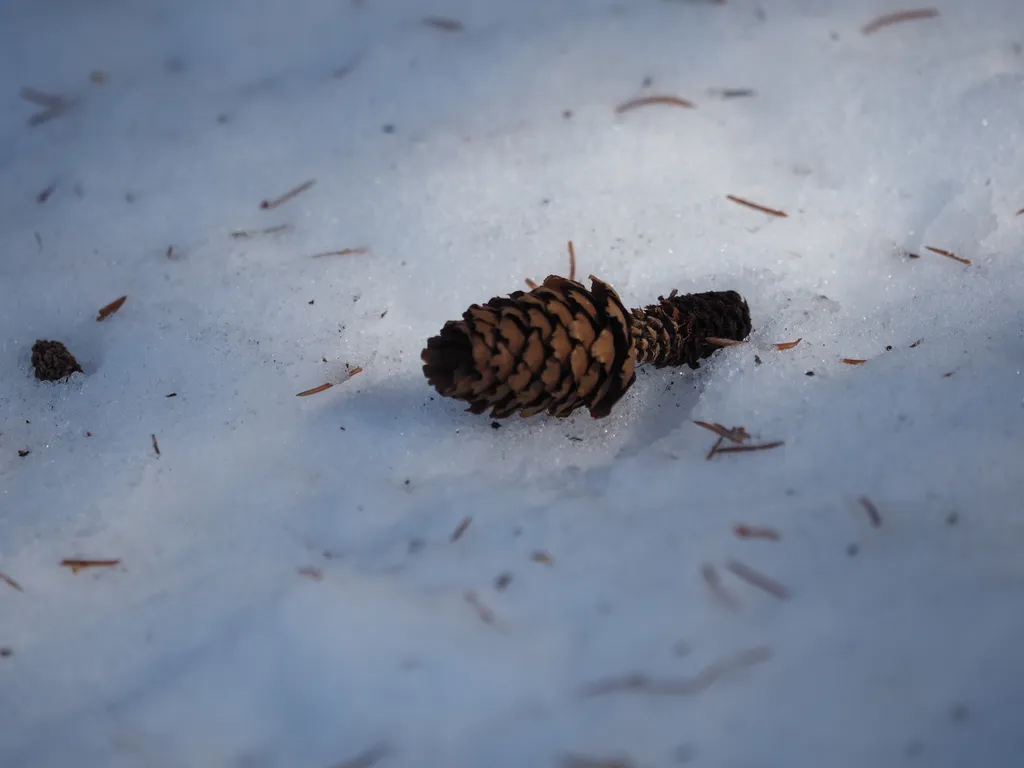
x=557 y=348
x=675 y=330
x=561 y=347
x=52 y=361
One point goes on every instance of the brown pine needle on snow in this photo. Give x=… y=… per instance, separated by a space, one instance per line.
x=703 y=680
x=895 y=18
x=758 y=206
x=948 y=254
x=714 y=448
x=540 y=556
x=342 y=252
x=872 y=510
x=758 y=579
x=11 y=582
x=244 y=234
x=461 y=528
x=266 y=205
x=40 y=99
x=853 y=361
x=445 y=25
x=486 y=614
x=736 y=434
x=754 y=532
x=645 y=101
x=79 y=565
x=324 y=387
x=315 y=390
x=782 y=346
x=749 y=448
x=714 y=582
x=110 y=309
x=720 y=342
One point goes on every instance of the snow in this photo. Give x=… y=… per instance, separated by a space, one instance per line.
x=208 y=645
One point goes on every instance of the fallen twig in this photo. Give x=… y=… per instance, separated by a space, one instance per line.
x=156 y=445
x=461 y=528
x=872 y=510
x=753 y=532
x=714 y=581
x=757 y=206
x=679 y=686
x=748 y=448
x=735 y=435
x=268 y=204
x=895 y=18
x=758 y=579
x=645 y=101
x=110 y=309
x=11 y=582
x=445 y=25
x=79 y=565
x=341 y=252
x=948 y=254
x=239 y=234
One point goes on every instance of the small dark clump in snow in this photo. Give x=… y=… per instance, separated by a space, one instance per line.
x=52 y=361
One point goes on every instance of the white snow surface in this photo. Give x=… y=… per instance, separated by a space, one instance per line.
x=449 y=154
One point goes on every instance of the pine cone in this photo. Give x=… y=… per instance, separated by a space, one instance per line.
x=557 y=348
x=674 y=331
x=561 y=347
x=52 y=361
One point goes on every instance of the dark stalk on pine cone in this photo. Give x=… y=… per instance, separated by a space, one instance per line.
x=560 y=347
